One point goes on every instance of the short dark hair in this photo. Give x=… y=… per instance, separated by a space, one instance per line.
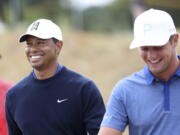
x=55 y=40
x=170 y=38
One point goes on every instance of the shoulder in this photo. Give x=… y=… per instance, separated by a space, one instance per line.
x=79 y=81
x=73 y=76
x=137 y=78
x=5 y=85
x=19 y=85
x=130 y=83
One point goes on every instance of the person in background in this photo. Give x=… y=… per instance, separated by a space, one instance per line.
x=147 y=101
x=4 y=87
x=137 y=7
x=52 y=99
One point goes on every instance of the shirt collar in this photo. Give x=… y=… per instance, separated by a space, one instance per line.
x=149 y=77
x=178 y=70
x=58 y=69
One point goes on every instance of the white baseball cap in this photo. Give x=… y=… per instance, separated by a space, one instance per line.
x=152 y=28
x=44 y=29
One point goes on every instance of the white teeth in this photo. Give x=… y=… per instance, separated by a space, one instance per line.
x=154 y=61
x=35 y=57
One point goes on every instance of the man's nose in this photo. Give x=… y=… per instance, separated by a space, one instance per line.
x=151 y=53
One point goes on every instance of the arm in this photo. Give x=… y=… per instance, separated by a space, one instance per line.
x=93 y=108
x=12 y=126
x=4 y=86
x=116 y=118
x=109 y=131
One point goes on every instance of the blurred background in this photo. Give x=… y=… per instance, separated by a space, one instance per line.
x=97 y=34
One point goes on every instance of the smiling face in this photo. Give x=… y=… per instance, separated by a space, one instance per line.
x=161 y=60
x=42 y=53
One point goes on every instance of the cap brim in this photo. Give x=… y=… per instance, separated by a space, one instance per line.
x=23 y=38
x=158 y=42
x=133 y=45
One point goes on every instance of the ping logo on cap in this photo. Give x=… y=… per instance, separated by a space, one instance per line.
x=147 y=28
x=35 y=26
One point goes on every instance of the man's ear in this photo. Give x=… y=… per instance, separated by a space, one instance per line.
x=175 y=39
x=59 y=45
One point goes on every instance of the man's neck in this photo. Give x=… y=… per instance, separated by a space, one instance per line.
x=45 y=73
x=174 y=66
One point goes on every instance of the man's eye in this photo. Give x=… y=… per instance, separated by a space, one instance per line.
x=28 y=44
x=158 y=48
x=144 y=49
x=40 y=42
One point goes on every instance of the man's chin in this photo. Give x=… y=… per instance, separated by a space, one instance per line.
x=37 y=67
x=156 y=71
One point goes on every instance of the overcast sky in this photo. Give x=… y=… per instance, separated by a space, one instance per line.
x=83 y=4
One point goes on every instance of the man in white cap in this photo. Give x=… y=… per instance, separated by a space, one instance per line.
x=52 y=99
x=148 y=101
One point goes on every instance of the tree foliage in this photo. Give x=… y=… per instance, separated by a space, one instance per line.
x=114 y=17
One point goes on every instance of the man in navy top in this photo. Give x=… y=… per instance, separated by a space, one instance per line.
x=148 y=101
x=52 y=99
